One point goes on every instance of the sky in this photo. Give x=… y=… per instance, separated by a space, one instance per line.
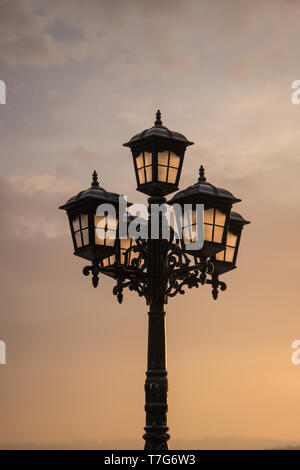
x=82 y=78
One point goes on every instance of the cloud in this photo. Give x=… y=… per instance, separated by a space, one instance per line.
x=29 y=205
x=24 y=38
x=85 y=155
x=42 y=50
x=16 y=15
x=173 y=35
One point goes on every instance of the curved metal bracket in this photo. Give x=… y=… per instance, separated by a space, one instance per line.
x=177 y=270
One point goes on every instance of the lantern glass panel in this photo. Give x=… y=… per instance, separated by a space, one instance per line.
x=148 y=158
x=105 y=230
x=189 y=226
x=174 y=160
x=148 y=170
x=84 y=221
x=141 y=174
x=78 y=239
x=76 y=223
x=144 y=167
x=140 y=161
x=110 y=237
x=162 y=172
x=220 y=218
x=228 y=254
x=214 y=221
x=107 y=262
x=163 y=158
x=85 y=236
x=168 y=164
x=81 y=231
x=100 y=221
x=218 y=234
x=208 y=232
x=209 y=216
x=231 y=239
x=172 y=175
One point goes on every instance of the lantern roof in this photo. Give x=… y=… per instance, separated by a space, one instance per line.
x=236 y=218
x=158 y=131
x=94 y=193
x=205 y=189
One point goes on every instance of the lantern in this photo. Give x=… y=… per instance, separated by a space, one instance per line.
x=216 y=204
x=94 y=231
x=225 y=260
x=158 y=155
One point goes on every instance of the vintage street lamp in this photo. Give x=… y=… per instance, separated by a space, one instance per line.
x=158 y=155
x=157 y=266
x=94 y=236
x=217 y=206
x=225 y=260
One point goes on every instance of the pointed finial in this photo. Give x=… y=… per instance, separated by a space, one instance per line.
x=95 y=179
x=201 y=174
x=158 y=121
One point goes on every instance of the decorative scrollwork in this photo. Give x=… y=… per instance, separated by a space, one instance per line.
x=118 y=289
x=95 y=270
x=132 y=273
x=181 y=273
x=176 y=257
x=177 y=269
x=216 y=283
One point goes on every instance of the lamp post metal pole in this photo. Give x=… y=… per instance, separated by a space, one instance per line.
x=156 y=386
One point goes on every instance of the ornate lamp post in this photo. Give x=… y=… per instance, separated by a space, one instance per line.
x=157 y=266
